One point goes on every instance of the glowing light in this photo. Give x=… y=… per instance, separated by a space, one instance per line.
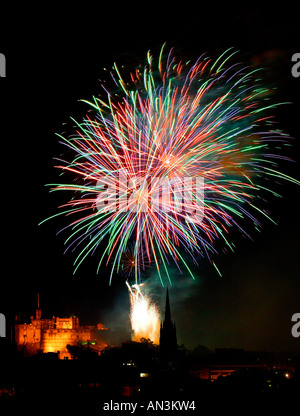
x=144 y=315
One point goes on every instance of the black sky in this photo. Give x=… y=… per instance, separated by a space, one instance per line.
x=56 y=58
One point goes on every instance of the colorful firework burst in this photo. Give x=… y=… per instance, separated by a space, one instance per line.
x=172 y=163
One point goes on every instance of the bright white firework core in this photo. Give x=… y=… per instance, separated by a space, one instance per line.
x=144 y=315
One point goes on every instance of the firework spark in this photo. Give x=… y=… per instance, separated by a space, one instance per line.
x=172 y=163
x=144 y=315
x=126 y=265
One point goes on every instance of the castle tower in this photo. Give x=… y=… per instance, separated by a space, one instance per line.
x=38 y=312
x=168 y=338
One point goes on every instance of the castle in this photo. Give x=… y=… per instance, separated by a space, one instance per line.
x=55 y=334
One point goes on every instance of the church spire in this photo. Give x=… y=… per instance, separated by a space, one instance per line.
x=168 y=339
x=167 y=309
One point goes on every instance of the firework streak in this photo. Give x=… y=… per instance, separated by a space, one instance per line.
x=170 y=164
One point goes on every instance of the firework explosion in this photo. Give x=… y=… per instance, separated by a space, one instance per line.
x=126 y=264
x=144 y=315
x=172 y=163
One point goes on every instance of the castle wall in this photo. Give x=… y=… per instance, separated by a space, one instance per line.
x=53 y=335
x=57 y=340
x=28 y=338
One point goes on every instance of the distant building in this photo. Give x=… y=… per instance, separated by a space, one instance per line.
x=224 y=362
x=55 y=334
x=168 y=338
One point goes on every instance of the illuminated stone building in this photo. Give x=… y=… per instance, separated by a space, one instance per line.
x=55 y=334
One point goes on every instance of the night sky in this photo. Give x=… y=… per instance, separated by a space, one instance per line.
x=56 y=58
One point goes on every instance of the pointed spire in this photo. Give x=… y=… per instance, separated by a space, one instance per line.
x=167 y=309
x=38 y=312
x=168 y=339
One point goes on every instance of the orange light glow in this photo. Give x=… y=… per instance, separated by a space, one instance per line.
x=144 y=315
